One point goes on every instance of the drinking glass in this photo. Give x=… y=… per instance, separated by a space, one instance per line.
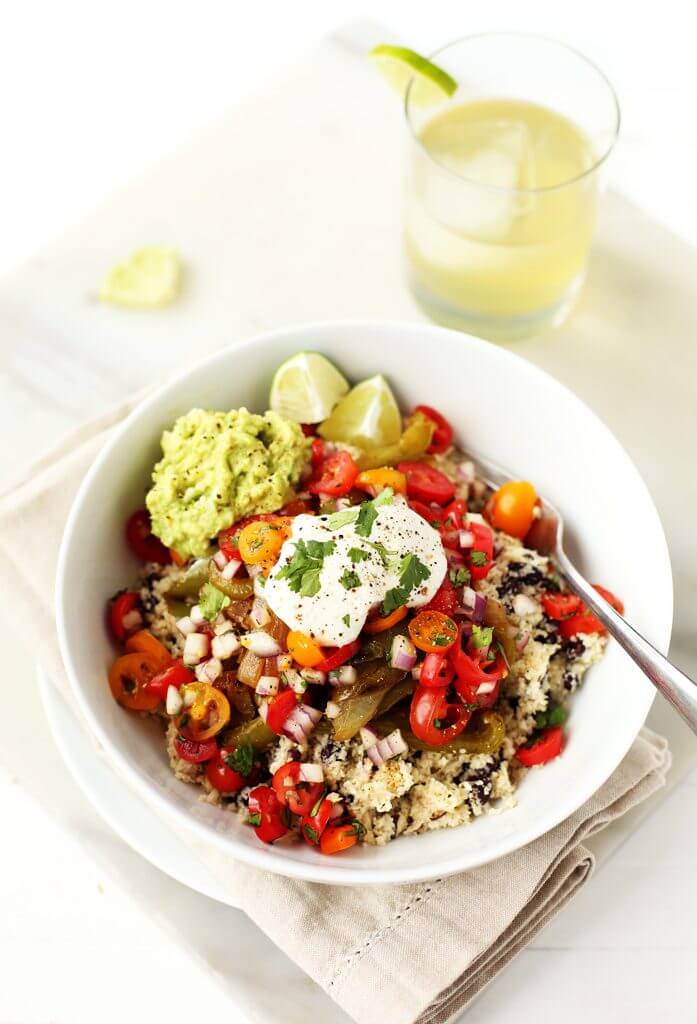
x=503 y=183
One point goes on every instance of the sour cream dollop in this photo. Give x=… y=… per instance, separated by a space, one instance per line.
x=350 y=585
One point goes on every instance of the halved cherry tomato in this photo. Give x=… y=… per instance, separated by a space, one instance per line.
x=549 y=745
x=260 y=543
x=338 y=656
x=452 y=522
x=433 y=720
x=313 y=824
x=512 y=507
x=128 y=679
x=303 y=649
x=432 y=632
x=124 y=614
x=279 y=709
x=560 y=606
x=266 y=814
x=445 y=599
x=474 y=672
x=298 y=796
x=142 y=541
x=380 y=624
x=610 y=598
x=144 y=642
x=224 y=778
x=584 y=621
x=317 y=453
x=426 y=483
x=480 y=558
x=430 y=513
x=436 y=670
x=375 y=480
x=337 y=475
x=209 y=713
x=174 y=675
x=442 y=435
x=337 y=838
x=194 y=751
x=228 y=539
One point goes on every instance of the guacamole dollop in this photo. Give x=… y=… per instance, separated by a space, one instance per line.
x=218 y=467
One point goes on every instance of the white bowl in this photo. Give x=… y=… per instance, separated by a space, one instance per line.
x=502 y=407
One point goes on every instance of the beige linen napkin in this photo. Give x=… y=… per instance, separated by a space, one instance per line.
x=392 y=954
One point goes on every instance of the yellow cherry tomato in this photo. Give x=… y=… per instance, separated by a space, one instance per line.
x=209 y=713
x=432 y=632
x=512 y=507
x=375 y=480
x=303 y=649
x=260 y=542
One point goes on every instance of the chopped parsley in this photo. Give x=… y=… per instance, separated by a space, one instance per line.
x=349 y=580
x=241 y=759
x=412 y=572
x=478 y=558
x=346 y=619
x=482 y=636
x=460 y=577
x=358 y=555
x=304 y=568
x=211 y=601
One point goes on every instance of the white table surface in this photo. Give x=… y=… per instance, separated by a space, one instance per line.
x=85 y=101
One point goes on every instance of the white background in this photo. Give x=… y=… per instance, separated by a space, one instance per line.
x=91 y=92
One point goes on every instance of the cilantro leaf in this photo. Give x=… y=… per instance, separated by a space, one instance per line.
x=304 y=568
x=482 y=636
x=358 y=555
x=346 y=619
x=389 y=559
x=211 y=601
x=338 y=519
x=412 y=572
x=384 y=497
x=460 y=577
x=394 y=599
x=367 y=514
x=478 y=558
x=349 y=580
x=241 y=759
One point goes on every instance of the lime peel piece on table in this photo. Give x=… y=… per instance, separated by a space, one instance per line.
x=306 y=388
x=367 y=417
x=148 y=279
x=400 y=66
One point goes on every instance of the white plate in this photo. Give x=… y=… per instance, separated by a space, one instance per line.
x=501 y=406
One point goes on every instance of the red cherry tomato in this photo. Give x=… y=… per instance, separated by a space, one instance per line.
x=424 y=483
x=226 y=779
x=338 y=656
x=313 y=825
x=228 y=539
x=175 y=675
x=309 y=429
x=546 y=748
x=442 y=435
x=297 y=507
x=143 y=542
x=124 y=614
x=266 y=814
x=317 y=453
x=445 y=598
x=430 y=513
x=480 y=557
x=436 y=671
x=584 y=621
x=335 y=476
x=279 y=709
x=433 y=720
x=560 y=606
x=299 y=797
x=195 y=751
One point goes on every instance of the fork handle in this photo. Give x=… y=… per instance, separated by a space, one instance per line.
x=676 y=686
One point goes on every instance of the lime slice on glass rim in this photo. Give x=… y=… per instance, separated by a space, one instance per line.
x=368 y=417
x=306 y=387
x=149 y=278
x=399 y=66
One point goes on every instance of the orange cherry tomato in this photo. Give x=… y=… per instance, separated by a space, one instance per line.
x=144 y=642
x=128 y=681
x=337 y=838
x=432 y=632
x=209 y=713
x=375 y=480
x=512 y=507
x=379 y=625
x=303 y=649
x=260 y=543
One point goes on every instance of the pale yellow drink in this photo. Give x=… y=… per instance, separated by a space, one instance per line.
x=500 y=210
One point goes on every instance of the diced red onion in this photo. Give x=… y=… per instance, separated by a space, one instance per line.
x=465 y=471
x=524 y=605
x=336 y=811
x=300 y=722
x=466 y=538
x=416 y=672
x=402 y=654
x=186 y=625
x=196 y=648
x=209 y=671
x=225 y=646
x=386 y=748
x=347 y=674
x=132 y=620
x=267 y=686
x=259 y=613
x=295 y=680
x=263 y=710
x=222 y=626
x=311 y=772
x=332 y=709
x=261 y=644
x=474 y=605
x=522 y=641
x=486 y=688
x=231 y=569
x=197 y=616
x=255 y=570
x=368 y=736
x=313 y=675
x=220 y=559
x=455 y=559
x=469 y=596
x=174 y=702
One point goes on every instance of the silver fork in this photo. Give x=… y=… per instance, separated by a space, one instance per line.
x=546 y=536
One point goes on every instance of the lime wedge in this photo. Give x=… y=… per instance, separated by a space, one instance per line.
x=149 y=278
x=306 y=388
x=367 y=417
x=400 y=65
